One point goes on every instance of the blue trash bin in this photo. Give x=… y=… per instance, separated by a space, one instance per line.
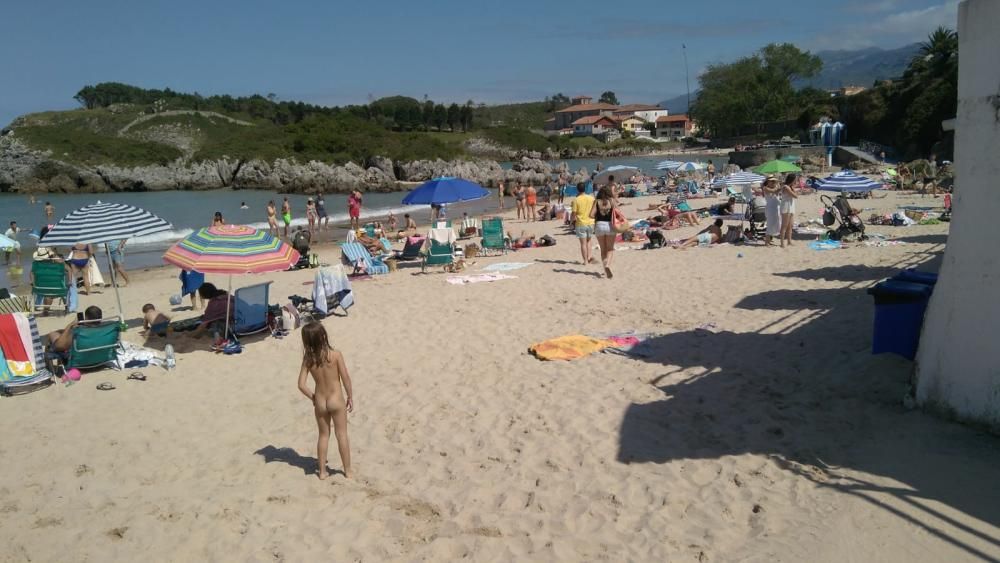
x=916 y=276
x=899 y=315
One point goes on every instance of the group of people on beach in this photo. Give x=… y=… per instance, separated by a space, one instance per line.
x=317 y=216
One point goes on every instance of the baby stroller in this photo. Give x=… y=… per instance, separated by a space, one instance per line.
x=756 y=217
x=838 y=211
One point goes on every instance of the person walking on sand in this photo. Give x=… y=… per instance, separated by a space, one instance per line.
x=788 y=197
x=286 y=214
x=530 y=202
x=118 y=259
x=519 y=199
x=772 y=212
x=332 y=396
x=272 y=219
x=324 y=219
x=354 y=208
x=601 y=212
x=311 y=215
x=500 y=193
x=582 y=220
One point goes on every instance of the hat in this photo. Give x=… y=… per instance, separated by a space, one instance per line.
x=41 y=253
x=770 y=177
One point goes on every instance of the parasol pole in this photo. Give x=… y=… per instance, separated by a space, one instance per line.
x=114 y=281
x=229 y=297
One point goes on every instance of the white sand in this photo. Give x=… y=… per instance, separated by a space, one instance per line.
x=773 y=436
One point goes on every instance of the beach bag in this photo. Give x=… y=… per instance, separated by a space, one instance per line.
x=290 y=318
x=547 y=240
x=828 y=218
x=619 y=223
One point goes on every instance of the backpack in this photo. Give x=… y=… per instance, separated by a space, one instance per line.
x=547 y=240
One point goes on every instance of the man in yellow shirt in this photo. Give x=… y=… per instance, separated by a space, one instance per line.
x=584 y=222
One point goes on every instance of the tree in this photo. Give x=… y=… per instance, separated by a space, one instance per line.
x=465 y=116
x=608 y=98
x=560 y=98
x=427 y=114
x=440 y=116
x=754 y=90
x=453 y=115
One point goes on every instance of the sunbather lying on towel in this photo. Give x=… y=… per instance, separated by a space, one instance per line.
x=710 y=235
x=373 y=245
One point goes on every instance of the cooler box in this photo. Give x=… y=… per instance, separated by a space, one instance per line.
x=899 y=315
x=916 y=276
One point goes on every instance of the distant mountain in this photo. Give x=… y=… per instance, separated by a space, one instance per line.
x=861 y=67
x=678 y=104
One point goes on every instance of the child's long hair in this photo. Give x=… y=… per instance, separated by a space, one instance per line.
x=315 y=344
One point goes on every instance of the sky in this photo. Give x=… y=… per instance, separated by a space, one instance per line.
x=334 y=53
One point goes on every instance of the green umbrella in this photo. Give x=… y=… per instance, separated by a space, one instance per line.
x=776 y=167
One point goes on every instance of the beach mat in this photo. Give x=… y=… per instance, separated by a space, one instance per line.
x=477 y=278
x=569 y=347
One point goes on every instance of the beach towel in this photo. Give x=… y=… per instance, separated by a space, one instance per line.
x=10 y=340
x=825 y=245
x=507 y=266
x=477 y=278
x=332 y=284
x=442 y=236
x=568 y=347
x=94 y=273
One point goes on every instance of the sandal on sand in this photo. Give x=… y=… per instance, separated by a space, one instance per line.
x=106 y=386
x=607 y=272
x=137 y=375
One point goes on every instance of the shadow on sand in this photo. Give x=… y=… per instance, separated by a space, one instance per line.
x=806 y=392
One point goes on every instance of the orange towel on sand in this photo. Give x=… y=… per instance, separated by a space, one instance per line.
x=568 y=347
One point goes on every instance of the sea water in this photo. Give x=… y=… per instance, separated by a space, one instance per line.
x=190 y=210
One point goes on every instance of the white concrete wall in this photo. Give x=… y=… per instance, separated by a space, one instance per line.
x=958 y=363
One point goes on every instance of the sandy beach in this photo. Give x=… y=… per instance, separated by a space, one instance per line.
x=760 y=428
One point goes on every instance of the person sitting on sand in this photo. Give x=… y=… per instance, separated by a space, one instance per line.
x=727 y=208
x=332 y=397
x=61 y=341
x=410 y=229
x=523 y=241
x=218 y=301
x=154 y=321
x=544 y=211
x=710 y=235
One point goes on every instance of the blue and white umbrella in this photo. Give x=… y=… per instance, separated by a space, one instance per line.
x=739 y=179
x=102 y=223
x=669 y=165
x=847 y=181
x=619 y=171
x=7 y=243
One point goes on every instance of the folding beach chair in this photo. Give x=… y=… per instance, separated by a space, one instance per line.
x=95 y=343
x=440 y=248
x=493 y=237
x=250 y=309
x=411 y=250
x=332 y=289
x=355 y=252
x=15 y=385
x=49 y=281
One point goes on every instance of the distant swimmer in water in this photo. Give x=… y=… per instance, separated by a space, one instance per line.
x=50 y=211
x=243 y=205
x=217 y=220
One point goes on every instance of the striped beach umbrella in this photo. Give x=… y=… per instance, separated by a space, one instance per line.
x=847 y=181
x=99 y=223
x=669 y=165
x=231 y=249
x=103 y=223
x=739 y=179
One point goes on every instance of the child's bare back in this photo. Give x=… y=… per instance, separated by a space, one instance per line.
x=330 y=405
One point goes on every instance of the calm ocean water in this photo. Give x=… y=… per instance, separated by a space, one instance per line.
x=188 y=211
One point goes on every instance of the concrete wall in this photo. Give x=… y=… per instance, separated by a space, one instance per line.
x=958 y=363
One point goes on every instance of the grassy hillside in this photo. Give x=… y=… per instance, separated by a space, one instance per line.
x=531 y=115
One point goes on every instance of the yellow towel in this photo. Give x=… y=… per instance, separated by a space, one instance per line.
x=568 y=347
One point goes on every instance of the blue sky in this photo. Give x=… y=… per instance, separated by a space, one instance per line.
x=329 y=52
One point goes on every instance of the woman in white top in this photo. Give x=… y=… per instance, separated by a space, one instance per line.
x=788 y=197
x=772 y=213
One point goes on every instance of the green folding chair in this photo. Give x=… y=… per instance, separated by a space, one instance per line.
x=95 y=343
x=438 y=254
x=49 y=280
x=493 y=236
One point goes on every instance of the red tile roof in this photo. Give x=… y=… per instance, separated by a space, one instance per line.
x=673 y=118
x=638 y=107
x=587 y=107
x=593 y=120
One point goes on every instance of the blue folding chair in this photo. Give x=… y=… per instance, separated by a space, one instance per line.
x=250 y=309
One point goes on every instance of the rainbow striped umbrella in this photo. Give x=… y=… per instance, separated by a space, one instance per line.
x=231 y=249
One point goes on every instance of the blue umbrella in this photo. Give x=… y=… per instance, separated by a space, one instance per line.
x=847 y=182
x=445 y=190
